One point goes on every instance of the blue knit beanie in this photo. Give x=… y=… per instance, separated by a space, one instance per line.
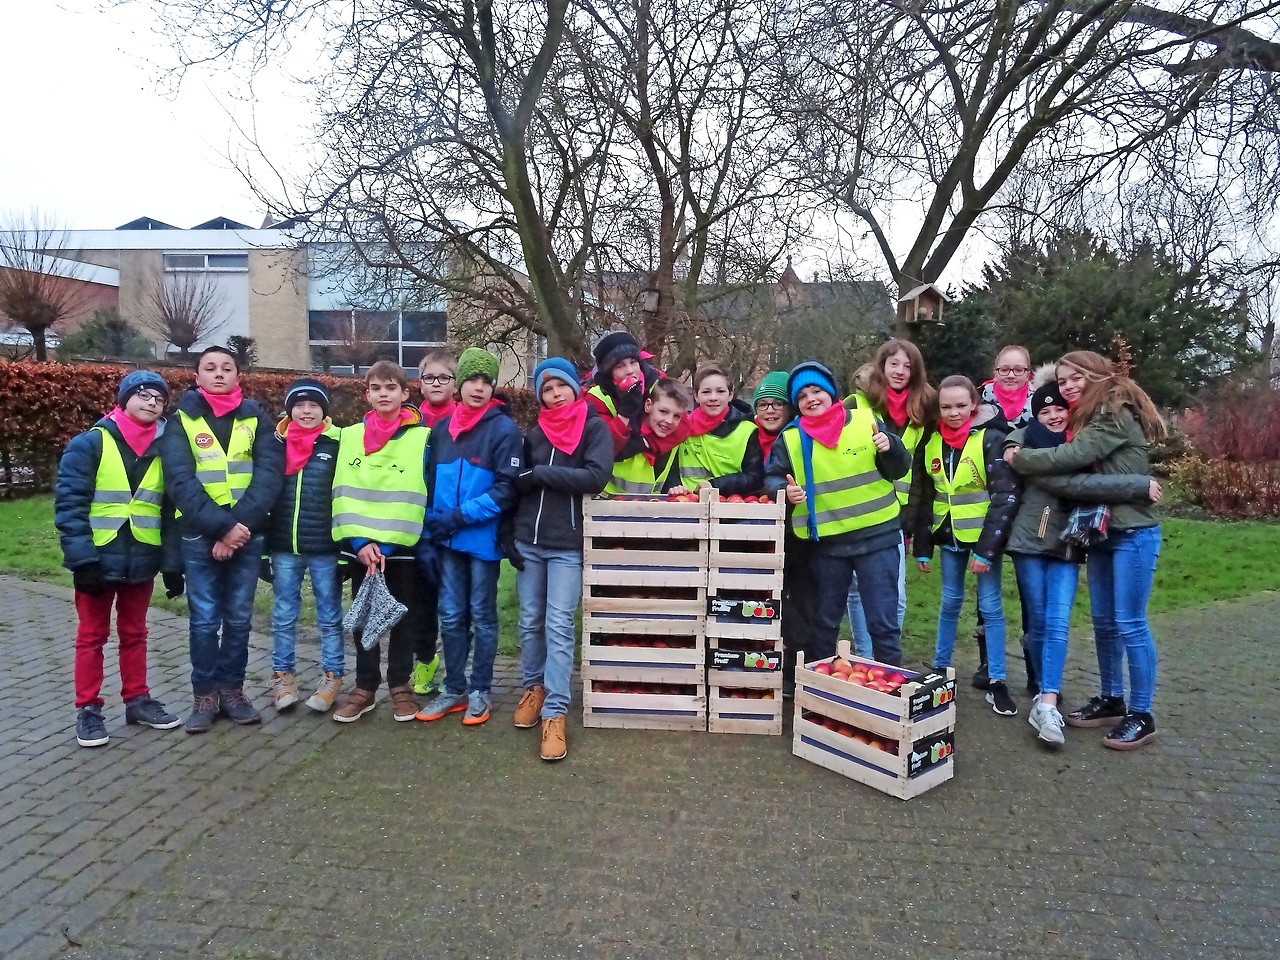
x=141 y=380
x=557 y=368
x=811 y=373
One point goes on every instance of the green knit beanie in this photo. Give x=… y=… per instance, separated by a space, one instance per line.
x=476 y=362
x=772 y=387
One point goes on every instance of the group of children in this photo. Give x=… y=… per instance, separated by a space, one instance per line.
x=434 y=496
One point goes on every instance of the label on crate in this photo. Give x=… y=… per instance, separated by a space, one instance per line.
x=935 y=691
x=744 y=660
x=930 y=751
x=741 y=610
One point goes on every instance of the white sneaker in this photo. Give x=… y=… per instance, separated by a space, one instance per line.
x=1047 y=722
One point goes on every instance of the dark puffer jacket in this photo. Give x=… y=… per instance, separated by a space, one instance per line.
x=549 y=512
x=301 y=520
x=124 y=559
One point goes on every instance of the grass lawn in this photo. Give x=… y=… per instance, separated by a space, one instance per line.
x=1200 y=561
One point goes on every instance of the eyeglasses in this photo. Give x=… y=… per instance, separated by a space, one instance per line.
x=150 y=396
x=1008 y=371
x=771 y=405
x=437 y=378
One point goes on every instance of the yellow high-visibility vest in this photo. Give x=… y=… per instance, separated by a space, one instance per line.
x=224 y=474
x=381 y=496
x=114 y=504
x=635 y=475
x=963 y=495
x=707 y=456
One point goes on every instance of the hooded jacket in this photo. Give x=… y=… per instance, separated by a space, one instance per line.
x=476 y=475
x=301 y=519
x=124 y=559
x=552 y=485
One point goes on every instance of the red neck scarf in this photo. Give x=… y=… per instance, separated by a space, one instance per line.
x=895 y=403
x=656 y=445
x=958 y=437
x=137 y=435
x=432 y=414
x=299 y=441
x=1012 y=402
x=563 y=426
x=767 y=441
x=222 y=403
x=464 y=417
x=700 y=424
x=377 y=431
x=826 y=427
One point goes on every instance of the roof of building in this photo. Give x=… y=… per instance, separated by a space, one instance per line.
x=146 y=223
x=222 y=223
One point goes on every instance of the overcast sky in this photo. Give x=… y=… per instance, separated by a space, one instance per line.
x=93 y=140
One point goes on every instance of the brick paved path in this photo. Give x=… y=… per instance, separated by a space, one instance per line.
x=303 y=838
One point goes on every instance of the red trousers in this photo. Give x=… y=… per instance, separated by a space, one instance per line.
x=131 y=602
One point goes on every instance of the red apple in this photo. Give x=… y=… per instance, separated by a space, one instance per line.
x=822 y=668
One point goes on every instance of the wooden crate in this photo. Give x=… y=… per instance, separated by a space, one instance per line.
x=740 y=626
x=915 y=766
x=919 y=708
x=643 y=519
x=642 y=651
x=729 y=714
x=648 y=710
x=745 y=546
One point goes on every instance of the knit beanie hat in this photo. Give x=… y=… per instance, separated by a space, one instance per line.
x=811 y=373
x=557 y=368
x=612 y=349
x=1047 y=396
x=306 y=388
x=772 y=387
x=141 y=380
x=477 y=362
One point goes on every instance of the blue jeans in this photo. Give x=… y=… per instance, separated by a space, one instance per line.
x=955 y=563
x=858 y=620
x=550 y=586
x=1047 y=586
x=468 y=606
x=1120 y=577
x=220 y=605
x=288 y=569
x=877 y=574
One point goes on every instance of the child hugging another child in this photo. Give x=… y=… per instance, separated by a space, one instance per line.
x=623 y=379
x=648 y=462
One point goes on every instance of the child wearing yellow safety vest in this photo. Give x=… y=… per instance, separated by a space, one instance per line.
x=108 y=505
x=223 y=469
x=648 y=462
x=723 y=447
x=965 y=498
x=837 y=467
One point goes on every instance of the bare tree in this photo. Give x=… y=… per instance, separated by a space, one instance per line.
x=41 y=281
x=183 y=308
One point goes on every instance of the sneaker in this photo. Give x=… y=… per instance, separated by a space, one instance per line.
x=237 y=707
x=423 y=678
x=444 y=704
x=284 y=691
x=326 y=692
x=477 y=708
x=980 y=679
x=355 y=705
x=1134 y=731
x=1047 y=722
x=554 y=745
x=149 y=713
x=1098 y=712
x=529 y=709
x=91 y=729
x=203 y=712
x=1001 y=702
x=404 y=705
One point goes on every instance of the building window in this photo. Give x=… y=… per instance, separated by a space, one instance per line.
x=355 y=339
x=207 y=261
x=425 y=326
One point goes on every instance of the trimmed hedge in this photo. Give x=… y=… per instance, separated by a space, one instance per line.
x=44 y=405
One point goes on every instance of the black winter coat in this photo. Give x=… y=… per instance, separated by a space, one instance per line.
x=552 y=485
x=301 y=520
x=200 y=515
x=124 y=559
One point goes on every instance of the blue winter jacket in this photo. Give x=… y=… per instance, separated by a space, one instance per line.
x=475 y=474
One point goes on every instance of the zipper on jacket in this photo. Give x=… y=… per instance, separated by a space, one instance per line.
x=1044 y=523
x=297 y=509
x=542 y=500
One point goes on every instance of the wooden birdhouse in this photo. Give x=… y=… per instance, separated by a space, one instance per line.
x=922 y=305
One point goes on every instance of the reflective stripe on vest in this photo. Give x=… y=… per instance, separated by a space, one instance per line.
x=963 y=495
x=381 y=496
x=705 y=457
x=848 y=491
x=910 y=439
x=113 y=504
x=635 y=475
x=595 y=391
x=224 y=474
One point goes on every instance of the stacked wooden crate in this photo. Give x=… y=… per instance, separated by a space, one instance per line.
x=744 y=615
x=644 y=614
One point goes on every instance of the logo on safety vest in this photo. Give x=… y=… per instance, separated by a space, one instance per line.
x=935 y=466
x=204 y=440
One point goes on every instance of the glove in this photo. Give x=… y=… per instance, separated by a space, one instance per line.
x=175 y=584
x=631 y=401
x=427 y=561
x=265 y=573
x=88 y=579
x=442 y=526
